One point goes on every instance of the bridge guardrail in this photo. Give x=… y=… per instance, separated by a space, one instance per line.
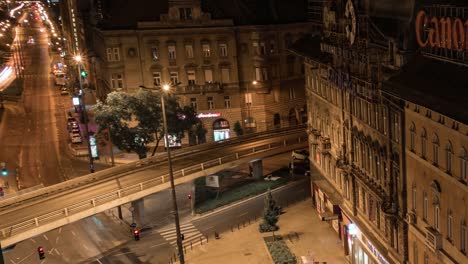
x=134 y=188
x=124 y=168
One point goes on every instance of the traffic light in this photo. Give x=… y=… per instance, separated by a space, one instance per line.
x=136 y=234
x=189 y=196
x=182 y=237
x=41 y=253
x=4 y=172
x=84 y=73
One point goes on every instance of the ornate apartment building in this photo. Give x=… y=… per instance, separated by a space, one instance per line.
x=227 y=59
x=387 y=128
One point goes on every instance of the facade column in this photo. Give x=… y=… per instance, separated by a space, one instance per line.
x=256 y=169
x=138 y=212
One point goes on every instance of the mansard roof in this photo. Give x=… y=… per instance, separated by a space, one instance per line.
x=126 y=14
x=434 y=84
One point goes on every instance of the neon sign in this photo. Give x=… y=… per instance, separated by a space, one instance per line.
x=207 y=115
x=443 y=32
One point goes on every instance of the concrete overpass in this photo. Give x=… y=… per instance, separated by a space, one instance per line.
x=30 y=214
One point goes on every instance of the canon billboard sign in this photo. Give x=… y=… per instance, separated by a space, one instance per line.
x=441 y=32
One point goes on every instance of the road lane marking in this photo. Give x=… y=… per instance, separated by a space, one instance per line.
x=22 y=259
x=50 y=251
x=153 y=246
x=73 y=233
x=99 y=261
x=46 y=238
x=56 y=240
x=34 y=241
x=60 y=230
x=58 y=253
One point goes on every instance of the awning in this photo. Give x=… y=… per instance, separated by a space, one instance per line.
x=328 y=216
x=333 y=196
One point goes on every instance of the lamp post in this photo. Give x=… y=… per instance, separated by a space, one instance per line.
x=180 y=249
x=78 y=60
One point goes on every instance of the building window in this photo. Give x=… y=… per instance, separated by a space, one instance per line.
x=463 y=164
x=193 y=103
x=171 y=52
x=412 y=137
x=256 y=49
x=292 y=93
x=113 y=54
x=185 y=13
x=174 y=78
x=261 y=74
x=223 y=50
x=227 y=101
x=157 y=78
x=435 y=150
x=436 y=217
x=189 y=51
x=191 y=77
x=225 y=75
x=206 y=50
x=263 y=50
x=450 y=226
x=426 y=258
x=210 y=102
x=117 y=80
x=154 y=53
x=415 y=252
x=413 y=198
x=425 y=206
x=463 y=236
x=423 y=143
x=448 y=157
x=272 y=46
x=208 y=75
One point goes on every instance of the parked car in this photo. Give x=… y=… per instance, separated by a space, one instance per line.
x=64 y=91
x=60 y=79
x=300 y=154
x=75 y=138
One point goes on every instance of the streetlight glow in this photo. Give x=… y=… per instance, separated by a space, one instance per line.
x=254 y=82
x=77 y=58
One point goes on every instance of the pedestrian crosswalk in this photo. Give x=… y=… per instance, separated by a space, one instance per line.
x=189 y=232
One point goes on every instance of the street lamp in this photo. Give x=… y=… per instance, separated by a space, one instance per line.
x=78 y=60
x=171 y=176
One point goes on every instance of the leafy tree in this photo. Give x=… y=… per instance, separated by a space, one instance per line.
x=271 y=214
x=238 y=129
x=127 y=132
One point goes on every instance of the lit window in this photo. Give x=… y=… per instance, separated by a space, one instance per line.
x=210 y=102
x=171 y=52
x=117 y=81
x=223 y=50
x=263 y=48
x=189 y=51
x=157 y=78
x=206 y=50
x=116 y=54
x=174 y=78
x=154 y=53
x=227 y=101
x=191 y=77
x=292 y=93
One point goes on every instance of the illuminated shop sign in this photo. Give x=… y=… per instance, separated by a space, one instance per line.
x=94 y=150
x=207 y=115
x=441 y=32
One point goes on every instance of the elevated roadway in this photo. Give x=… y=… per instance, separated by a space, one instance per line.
x=30 y=214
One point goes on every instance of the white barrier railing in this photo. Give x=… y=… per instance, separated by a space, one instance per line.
x=137 y=187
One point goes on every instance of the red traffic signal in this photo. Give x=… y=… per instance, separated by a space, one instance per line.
x=136 y=234
x=40 y=251
x=189 y=196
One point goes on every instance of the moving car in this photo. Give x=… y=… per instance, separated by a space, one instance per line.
x=60 y=78
x=75 y=138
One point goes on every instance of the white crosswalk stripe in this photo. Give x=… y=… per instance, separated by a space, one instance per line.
x=190 y=232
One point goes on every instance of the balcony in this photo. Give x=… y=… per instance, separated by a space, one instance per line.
x=433 y=239
x=325 y=145
x=215 y=87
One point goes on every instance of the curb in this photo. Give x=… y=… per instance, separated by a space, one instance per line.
x=228 y=206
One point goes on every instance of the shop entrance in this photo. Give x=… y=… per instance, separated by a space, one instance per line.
x=221 y=130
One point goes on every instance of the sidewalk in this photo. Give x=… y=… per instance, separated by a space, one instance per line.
x=315 y=240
